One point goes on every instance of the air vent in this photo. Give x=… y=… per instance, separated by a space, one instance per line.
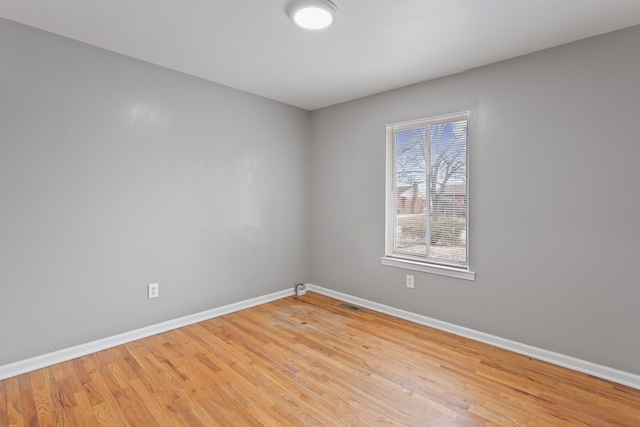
x=349 y=307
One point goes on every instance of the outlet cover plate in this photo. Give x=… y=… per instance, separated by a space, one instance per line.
x=152 y=290
x=410 y=281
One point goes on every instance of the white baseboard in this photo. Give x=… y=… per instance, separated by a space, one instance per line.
x=600 y=371
x=22 y=366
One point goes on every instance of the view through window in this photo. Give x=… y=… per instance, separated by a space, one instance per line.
x=427 y=190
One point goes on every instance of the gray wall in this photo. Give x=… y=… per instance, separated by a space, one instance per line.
x=115 y=173
x=554 y=153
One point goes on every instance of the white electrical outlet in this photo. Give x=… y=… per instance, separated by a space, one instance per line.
x=410 y=281
x=152 y=290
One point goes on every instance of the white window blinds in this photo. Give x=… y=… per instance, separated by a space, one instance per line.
x=427 y=191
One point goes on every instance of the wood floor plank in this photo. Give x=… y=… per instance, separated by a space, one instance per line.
x=5 y=402
x=305 y=361
x=12 y=412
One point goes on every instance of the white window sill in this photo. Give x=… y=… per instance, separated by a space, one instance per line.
x=428 y=268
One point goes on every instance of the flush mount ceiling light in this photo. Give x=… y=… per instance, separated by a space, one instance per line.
x=312 y=14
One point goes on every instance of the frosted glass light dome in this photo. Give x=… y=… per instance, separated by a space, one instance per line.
x=312 y=14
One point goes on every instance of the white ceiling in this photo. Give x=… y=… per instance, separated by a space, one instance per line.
x=375 y=45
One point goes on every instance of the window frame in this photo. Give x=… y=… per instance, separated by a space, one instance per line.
x=393 y=258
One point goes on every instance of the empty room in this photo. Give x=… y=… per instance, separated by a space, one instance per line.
x=319 y=213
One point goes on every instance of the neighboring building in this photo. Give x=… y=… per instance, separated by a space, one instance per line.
x=410 y=200
x=454 y=199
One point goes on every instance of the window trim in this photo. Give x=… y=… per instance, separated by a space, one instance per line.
x=426 y=267
x=391 y=258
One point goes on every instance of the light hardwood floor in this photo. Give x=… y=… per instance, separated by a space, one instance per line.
x=305 y=361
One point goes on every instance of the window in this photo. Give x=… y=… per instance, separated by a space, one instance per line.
x=428 y=196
